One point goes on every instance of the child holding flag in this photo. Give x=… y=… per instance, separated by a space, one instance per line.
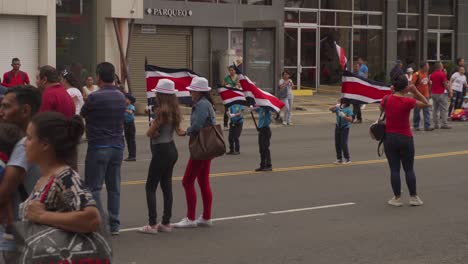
x=344 y=117
x=236 y=114
x=264 y=136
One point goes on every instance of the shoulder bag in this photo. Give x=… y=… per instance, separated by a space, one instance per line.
x=44 y=244
x=377 y=129
x=208 y=143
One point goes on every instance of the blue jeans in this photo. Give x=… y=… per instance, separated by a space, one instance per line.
x=417 y=117
x=103 y=164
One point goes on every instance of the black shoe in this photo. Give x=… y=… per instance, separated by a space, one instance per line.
x=259 y=169
x=446 y=127
x=236 y=153
x=130 y=159
x=267 y=169
x=230 y=153
x=429 y=129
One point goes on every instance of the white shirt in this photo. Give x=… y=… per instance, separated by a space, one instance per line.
x=77 y=99
x=289 y=87
x=87 y=92
x=458 y=82
x=465 y=105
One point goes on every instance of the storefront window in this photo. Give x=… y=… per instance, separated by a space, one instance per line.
x=408 y=47
x=76 y=37
x=336 y=4
x=290 y=47
x=302 y=3
x=368 y=45
x=441 y=7
x=408 y=6
x=369 y=5
x=260 y=54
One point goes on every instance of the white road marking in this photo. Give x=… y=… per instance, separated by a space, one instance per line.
x=262 y=214
x=312 y=208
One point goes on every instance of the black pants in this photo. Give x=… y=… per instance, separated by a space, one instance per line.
x=341 y=143
x=129 y=129
x=235 y=131
x=357 y=112
x=456 y=102
x=399 y=150
x=264 y=136
x=160 y=170
x=226 y=117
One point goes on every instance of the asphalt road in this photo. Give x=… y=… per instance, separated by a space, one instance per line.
x=342 y=214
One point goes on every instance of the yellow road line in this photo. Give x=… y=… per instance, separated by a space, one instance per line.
x=313 y=167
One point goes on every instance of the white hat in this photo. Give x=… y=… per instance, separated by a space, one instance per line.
x=199 y=84
x=165 y=86
x=409 y=69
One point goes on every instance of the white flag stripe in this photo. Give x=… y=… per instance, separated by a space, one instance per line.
x=360 y=98
x=167 y=74
x=357 y=80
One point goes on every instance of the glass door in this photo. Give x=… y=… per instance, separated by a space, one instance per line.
x=440 y=46
x=300 y=56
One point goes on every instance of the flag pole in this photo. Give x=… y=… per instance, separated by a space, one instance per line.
x=253 y=118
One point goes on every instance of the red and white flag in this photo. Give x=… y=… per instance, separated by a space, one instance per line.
x=258 y=96
x=232 y=96
x=342 y=56
x=361 y=90
x=181 y=78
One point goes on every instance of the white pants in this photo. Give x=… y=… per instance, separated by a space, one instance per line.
x=288 y=106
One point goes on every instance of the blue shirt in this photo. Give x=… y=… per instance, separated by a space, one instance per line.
x=235 y=109
x=104 y=112
x=363 y=70
x=130 y=118
x=340 y=121
x=264 y=117
x=203 y=115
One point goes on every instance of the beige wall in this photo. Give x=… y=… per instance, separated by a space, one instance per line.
x=45 y=10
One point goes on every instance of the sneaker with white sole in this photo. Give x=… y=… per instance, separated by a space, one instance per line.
x=395 y=202
x=338 y=162
x=346 y=162
x=164 y=228
x=415 y=201
x=185 y=223
x=203 y=222
x=148 y=229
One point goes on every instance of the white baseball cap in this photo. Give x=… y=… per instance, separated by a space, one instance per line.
x=199 y=84
x=165 y=86
x=409 y=70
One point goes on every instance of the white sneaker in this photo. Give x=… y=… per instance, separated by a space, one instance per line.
x=415 y=201
x=203 y=222
x=395 y=202
x=347 y=162
x=284 y=123
x=147 y=229
x=185 y=223
x=338 y=162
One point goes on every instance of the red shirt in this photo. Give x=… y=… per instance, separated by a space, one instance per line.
x=397 y=112
x=16 y=78
x=438 y=78
x=55 y=98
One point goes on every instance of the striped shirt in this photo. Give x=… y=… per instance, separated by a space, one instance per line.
x=104 y=112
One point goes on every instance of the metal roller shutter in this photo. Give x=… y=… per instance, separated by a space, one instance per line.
x=169 y=47
x=20 y=38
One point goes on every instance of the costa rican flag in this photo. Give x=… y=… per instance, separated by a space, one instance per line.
x=361 y=90
x=254 y=95
x=342 y=56
x=181 y=78
x=232 y=96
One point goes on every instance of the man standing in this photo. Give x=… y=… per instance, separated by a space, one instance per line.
x=421 y=81
x=54 y=96
x=397 y=70
x=17 y=107
x=104 y=112
x=15 y=76
x=439 y=98
x=363 y=70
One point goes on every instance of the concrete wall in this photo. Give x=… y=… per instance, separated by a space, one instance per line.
x=45 y=10
x=391 y=36
x=462 y=29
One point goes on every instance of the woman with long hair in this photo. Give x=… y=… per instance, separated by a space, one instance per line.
x=70 y=83
x=202 y=116
x=51 y=143
x=164 y=151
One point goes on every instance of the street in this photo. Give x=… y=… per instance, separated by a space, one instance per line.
x=308 y=210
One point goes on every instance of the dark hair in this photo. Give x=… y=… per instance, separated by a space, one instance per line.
x=27 y=95
x=459 y=60
x=423 y=64
x=63 y=134
x=106 y=72
x=14 y=59
x=71 y=79
x=282 y=74
x=50 y=73
x=10 y=134
x=231 y=67
x=400 y=83
x=207 y=95
x=345 y=102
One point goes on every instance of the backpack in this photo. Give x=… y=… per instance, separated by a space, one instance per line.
x=10 y=76
x=377 y=129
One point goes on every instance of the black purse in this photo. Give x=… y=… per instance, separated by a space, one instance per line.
x=377 y=129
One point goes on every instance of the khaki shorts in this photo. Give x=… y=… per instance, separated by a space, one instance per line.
x=8 y=257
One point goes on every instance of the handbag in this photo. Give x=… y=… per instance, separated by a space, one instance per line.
x=44 y=244
x=208 y=143
x=377 y=129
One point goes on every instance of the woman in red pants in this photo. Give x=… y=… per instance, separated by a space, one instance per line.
x=203 y=115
